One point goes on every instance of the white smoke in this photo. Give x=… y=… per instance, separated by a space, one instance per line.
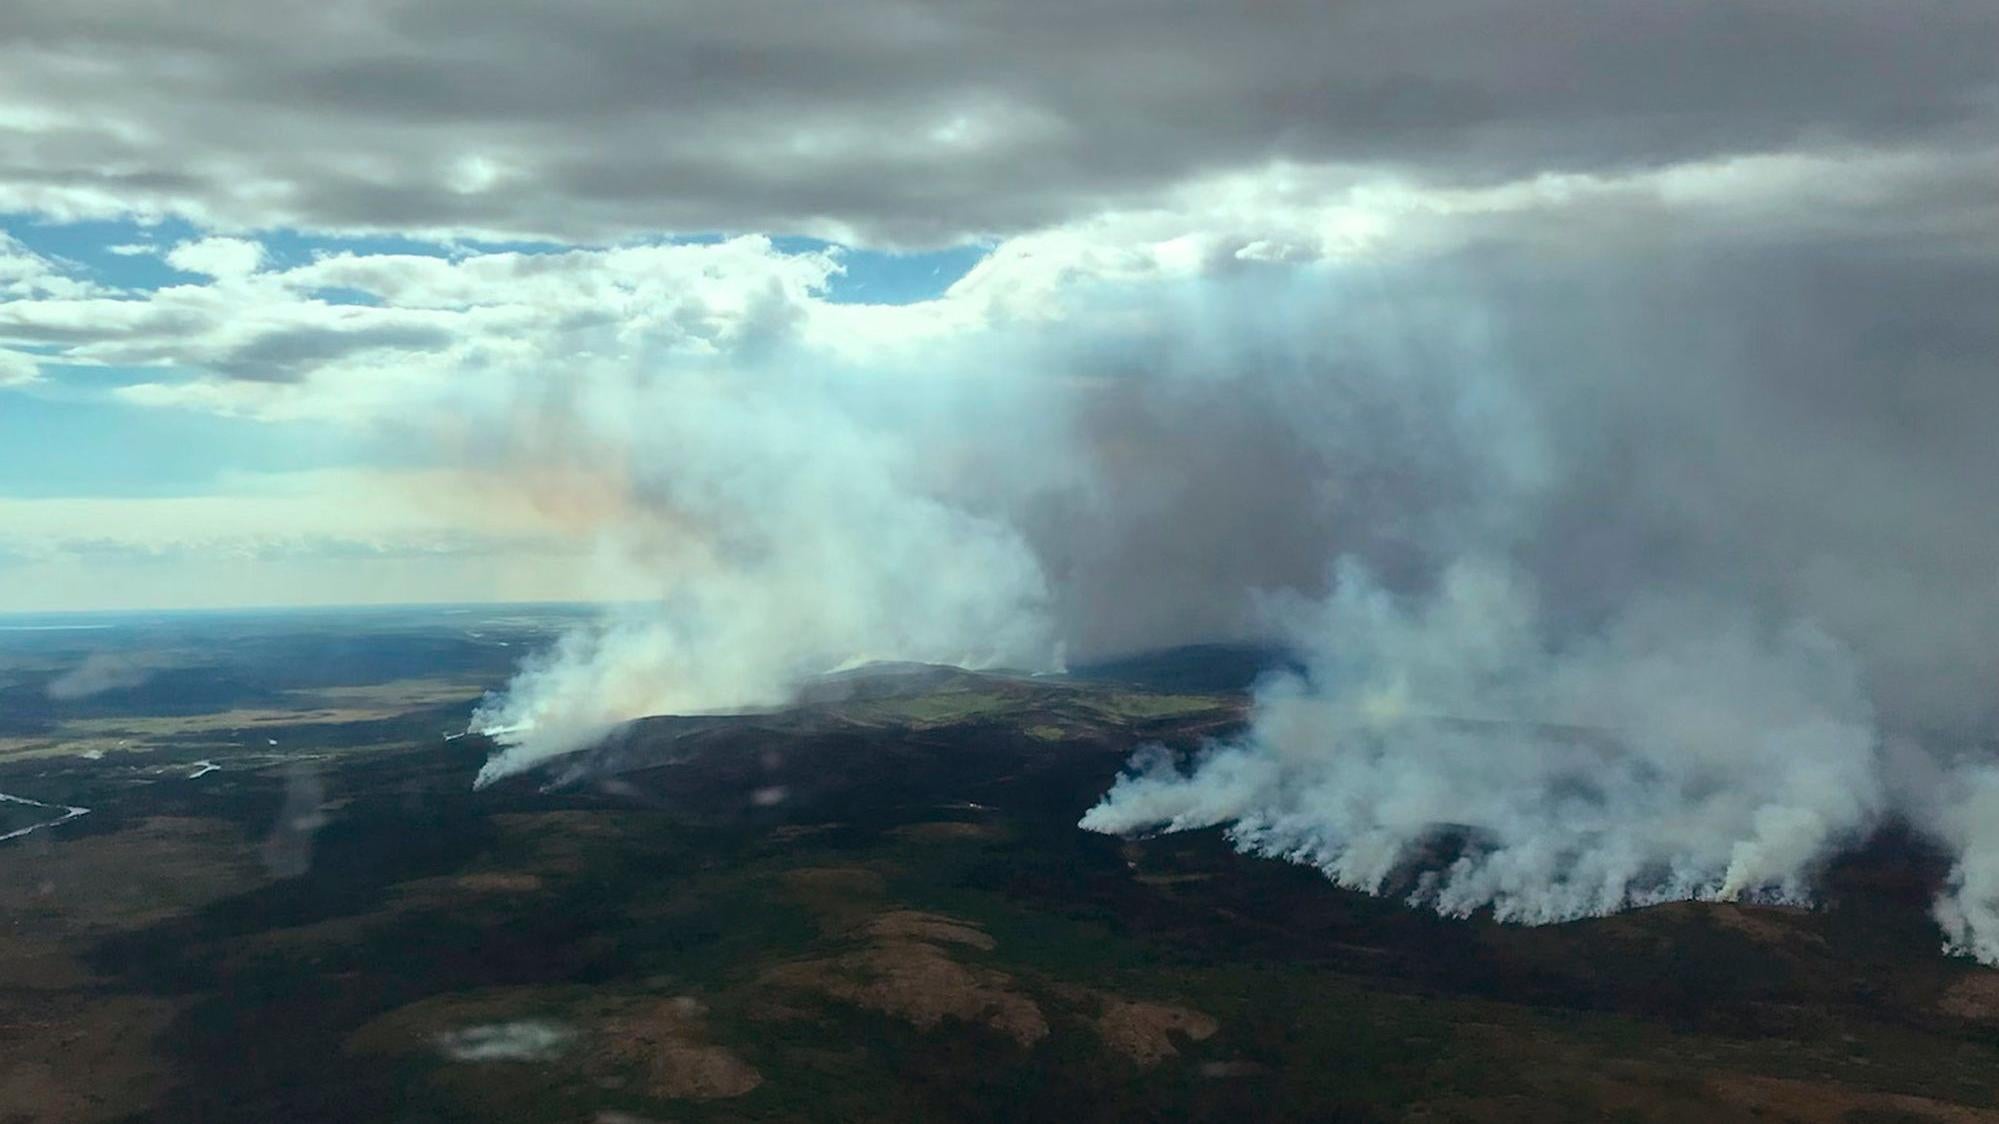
x=522 y=1040
x=1654 y=637
x=1967 y=822
x=1678 y=753
x=99 y=672
x=773 y=512
x=1602 y=585
x=778 y=533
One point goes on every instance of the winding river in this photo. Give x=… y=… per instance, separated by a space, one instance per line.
x=68 y=814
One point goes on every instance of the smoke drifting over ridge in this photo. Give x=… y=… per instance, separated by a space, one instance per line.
x=1629 y=575
x=1674 y=753
x=783 y=536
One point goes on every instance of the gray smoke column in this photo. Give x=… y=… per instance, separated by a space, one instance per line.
x=1660 y=648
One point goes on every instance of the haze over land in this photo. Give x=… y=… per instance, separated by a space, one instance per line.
x=1597 y=398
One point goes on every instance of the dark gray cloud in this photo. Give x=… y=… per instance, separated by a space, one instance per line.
x=922 y=121
x=292 y=353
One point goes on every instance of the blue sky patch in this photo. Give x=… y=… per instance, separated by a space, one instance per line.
x=69 y=435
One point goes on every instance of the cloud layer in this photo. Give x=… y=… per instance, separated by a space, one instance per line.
x=909 y=122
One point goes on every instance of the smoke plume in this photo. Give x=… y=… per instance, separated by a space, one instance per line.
x=773 y=531
x=1665 y=662
x=1612 y=583
x=99 y=672
x=1679 y=752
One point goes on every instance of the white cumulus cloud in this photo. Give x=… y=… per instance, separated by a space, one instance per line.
x=225 y=259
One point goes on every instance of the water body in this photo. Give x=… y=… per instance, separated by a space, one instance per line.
x=53 y=627
x=68 y=814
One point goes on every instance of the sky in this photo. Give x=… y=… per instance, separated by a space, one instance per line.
x=271 y=275
x=133 y=476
